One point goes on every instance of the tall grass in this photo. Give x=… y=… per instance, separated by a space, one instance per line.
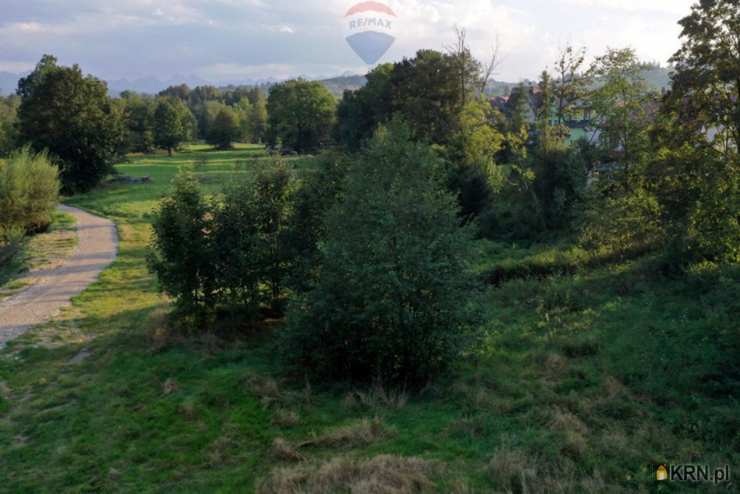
x=29 y=191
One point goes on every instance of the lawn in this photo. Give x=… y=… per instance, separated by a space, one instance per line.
x=585 y=381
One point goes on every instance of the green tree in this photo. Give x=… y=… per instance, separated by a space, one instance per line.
x=258 y=119
x=695 y=170
x=172 y=124
x=623 y=106
x=182 y=254
x=360 y=112
x=8 y=124
x=139 y=121
x=72 y=117
x=393 y=295
x=569 y=87
x=425 y=90
x=301 y=115
x=544 y=118
x=225 y=129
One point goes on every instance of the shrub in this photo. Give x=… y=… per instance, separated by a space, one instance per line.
x=226 y=256
x=29 y=192
x=182 y=247
x=392 y=297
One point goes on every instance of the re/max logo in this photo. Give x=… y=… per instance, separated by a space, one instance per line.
x=370 y=22
x=698 y=473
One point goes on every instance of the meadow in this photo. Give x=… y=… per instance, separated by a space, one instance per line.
x=589 y=375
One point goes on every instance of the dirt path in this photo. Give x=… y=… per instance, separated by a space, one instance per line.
x=54 y=288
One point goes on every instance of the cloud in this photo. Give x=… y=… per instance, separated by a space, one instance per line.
x=225 y=38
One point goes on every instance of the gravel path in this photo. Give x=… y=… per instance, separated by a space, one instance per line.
x=54 y=288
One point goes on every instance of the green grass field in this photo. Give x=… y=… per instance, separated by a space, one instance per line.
x=584 y=382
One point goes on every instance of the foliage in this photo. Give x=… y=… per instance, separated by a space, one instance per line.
x=8 y=118
x=182 y=247
x=392 y=297
x=301 y=115
x=173 y=124
x=359 y=112
x=72 y=117
x=624 y=108
x=694 y=170
x=29 y=192
x=228 y=255
x=224 y=130
x=318 y=192
x=139 y=121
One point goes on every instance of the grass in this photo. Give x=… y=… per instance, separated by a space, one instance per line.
x=39 y=251
x=583 y=382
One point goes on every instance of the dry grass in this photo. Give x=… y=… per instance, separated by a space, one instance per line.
x=360 y=433
x=375 y=398
x=513 y=470
x=282 y=450
x=382 y=474
x=573 y=431
x=169 y=386
x=285 y=418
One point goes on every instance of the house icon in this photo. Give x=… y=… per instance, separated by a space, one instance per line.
x=662 y=473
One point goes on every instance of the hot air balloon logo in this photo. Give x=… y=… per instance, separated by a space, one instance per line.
x=369 y=30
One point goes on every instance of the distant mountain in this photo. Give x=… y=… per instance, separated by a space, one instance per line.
x=657 y=77
x=338 y=85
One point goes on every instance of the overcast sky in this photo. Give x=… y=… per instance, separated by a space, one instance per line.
x=233 y=40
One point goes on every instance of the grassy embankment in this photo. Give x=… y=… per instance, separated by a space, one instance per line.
x=36 y=252
x=584 y=382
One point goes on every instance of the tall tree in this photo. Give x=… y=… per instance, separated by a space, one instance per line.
x=623 y=106
x=569 y=86
x=72 y=117
x=706 y=79
x=225 y=129
x=258 y=118
x=695 y=170
x=172 y=124
x=301 y=115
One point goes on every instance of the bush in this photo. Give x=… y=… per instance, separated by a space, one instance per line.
x=29 y=192
x=392 y=298
x=182 y=254
x=228 y=256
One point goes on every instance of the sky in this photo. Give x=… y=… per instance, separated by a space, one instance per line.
x=231 y=41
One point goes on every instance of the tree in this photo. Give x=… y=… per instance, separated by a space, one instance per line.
x=425 y=90
x=544 y=118
x=301 y=115
x=225 y=129
x=694 y=170
x=706 y=80
x=258 y=118
x=182 y=248
x=360 y=112
x=392 y=297
x=139 y=121
x=72 y=117
x=8 y=124
x=172 y=124
x=568 y=86
x=623 y=106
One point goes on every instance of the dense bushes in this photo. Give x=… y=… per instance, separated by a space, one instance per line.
x=228 y=254
x=392 y=297
x=29 y=191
